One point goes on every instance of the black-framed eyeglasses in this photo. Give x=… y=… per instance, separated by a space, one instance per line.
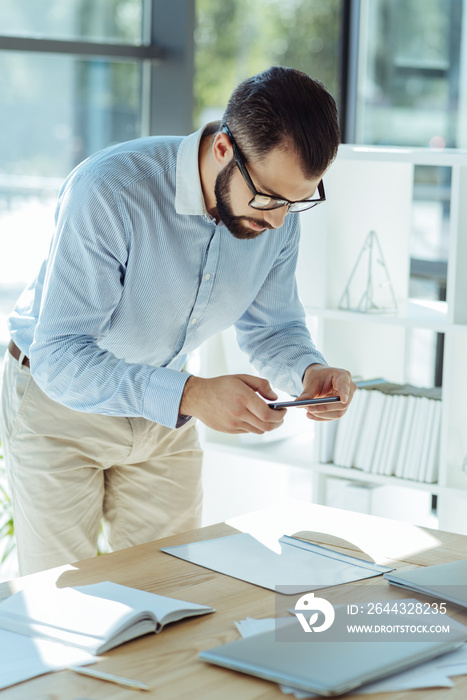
x=266 y=202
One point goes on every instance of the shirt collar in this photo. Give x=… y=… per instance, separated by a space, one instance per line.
x=189 y=197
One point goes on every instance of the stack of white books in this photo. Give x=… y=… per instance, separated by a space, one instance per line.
x=389 y=429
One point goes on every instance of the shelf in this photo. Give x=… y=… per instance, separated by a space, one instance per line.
x=431 y=315
x=297 y=452
x=372 y=189
x=417 y=156
x=358 y=475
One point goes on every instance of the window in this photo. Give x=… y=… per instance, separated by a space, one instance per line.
x=75 y=77
x=411 y=92
x=411 y=76
x=235 y=39
x=91 y=20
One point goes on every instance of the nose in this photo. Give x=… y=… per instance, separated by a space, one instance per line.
x=275 y=217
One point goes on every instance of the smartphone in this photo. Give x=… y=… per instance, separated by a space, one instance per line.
x=304 y=402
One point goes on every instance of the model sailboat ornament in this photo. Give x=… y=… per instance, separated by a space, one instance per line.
x=369 y=289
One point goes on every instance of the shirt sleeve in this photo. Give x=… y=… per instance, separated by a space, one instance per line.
x=273 y=331
x=83 y=284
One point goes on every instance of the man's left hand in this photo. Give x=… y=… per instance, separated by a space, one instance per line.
x=319 y=381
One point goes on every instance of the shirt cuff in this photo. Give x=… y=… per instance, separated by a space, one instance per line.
x=163 y=395
x=299 y=370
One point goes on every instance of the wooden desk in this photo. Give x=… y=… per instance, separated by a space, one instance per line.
x=169 y=661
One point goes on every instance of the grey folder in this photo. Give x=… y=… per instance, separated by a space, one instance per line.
x=447 y=582
x=300 y=566
x=327 y=668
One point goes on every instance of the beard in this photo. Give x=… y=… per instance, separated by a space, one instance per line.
x=224 y=207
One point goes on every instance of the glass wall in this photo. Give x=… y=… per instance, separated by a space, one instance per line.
x=235 y=39
x=412 y=80
x=56 y=109
x=91 y=20
x=410 y=73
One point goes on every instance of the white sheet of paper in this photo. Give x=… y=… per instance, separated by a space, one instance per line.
x=24 y=657
x=300 y=566
x=432 y=674
x=455 y=663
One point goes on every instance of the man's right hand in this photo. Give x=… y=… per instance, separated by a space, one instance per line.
x=230 y=403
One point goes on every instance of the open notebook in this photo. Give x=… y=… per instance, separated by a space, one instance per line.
x=300 y=566
x=95 y=618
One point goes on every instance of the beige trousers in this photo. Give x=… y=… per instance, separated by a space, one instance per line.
x=67 y=470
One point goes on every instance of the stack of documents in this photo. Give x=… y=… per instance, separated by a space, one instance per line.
x=300 y=566
x=448 y=582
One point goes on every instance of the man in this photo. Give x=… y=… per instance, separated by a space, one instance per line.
x=158 y=244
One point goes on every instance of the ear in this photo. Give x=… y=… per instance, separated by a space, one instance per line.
x=222 y=150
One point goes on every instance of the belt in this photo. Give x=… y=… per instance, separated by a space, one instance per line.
x=16 y=353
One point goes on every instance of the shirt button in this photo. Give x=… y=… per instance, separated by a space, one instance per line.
x=193 y=321
x=207 y=276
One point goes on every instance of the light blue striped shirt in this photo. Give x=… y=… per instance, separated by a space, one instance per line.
x=138 y=275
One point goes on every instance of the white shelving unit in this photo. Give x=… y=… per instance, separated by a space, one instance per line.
x=367 y=189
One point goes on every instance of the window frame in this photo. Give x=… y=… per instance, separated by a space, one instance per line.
x=166 y=55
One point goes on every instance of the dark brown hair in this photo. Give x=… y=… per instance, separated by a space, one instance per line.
x=283 y=107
